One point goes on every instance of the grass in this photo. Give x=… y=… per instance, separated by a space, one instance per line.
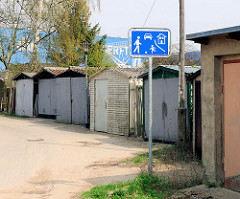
x=181 y=167
x=162 y=185
x=12 y=115
x=165 y=155
x=142 y=187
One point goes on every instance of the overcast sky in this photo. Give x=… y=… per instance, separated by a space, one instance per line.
x=118 y=16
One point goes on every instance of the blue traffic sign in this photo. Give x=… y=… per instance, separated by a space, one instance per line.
x=149 y=42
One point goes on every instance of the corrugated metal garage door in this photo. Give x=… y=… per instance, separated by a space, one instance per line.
x=47 y=97
x=63 y=100
x=165 y=104
x=24 y=97
x=71 y=100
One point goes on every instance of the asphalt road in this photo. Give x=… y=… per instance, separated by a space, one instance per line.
x=40 y=158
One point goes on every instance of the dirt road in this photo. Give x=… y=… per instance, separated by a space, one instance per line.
x=42 y=159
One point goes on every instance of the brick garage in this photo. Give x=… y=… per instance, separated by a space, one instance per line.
x=113 y=99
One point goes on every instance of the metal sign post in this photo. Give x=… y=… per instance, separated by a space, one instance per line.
x=149 y=42
x=150 y=114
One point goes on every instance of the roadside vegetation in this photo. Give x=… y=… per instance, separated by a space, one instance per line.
x=166 y=155
x=173 y=169
x=12 y=115
x=144 y=186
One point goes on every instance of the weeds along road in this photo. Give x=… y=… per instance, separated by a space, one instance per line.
x=40 y=158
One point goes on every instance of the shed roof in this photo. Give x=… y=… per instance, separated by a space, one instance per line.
x=203 y=37
x=127 y=72
x=24 y=75
x=50 y=72
x=73 y=71
x=173 y=69
x=194 y=75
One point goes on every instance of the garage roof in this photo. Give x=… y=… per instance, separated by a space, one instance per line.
x=126 y=72
x=173 y=69
x=50 y=72
x=24 y=75
x=203 y=37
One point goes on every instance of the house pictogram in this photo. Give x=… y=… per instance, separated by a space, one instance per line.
x=161 y=38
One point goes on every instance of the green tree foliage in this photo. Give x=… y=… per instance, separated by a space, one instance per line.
x=24 y=24
x=66 y=47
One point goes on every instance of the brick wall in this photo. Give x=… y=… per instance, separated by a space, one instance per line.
x=118 y=102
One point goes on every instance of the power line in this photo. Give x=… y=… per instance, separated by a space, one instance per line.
x=149 y=12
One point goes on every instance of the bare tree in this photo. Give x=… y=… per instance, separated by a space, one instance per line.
x=24 y=24
x=192 y=56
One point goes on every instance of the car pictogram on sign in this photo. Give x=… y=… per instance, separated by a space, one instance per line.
x=148 y=36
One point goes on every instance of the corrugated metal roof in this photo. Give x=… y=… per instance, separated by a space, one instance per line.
x=174 y=69
x=187 y=69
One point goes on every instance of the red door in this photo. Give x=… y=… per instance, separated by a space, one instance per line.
x=232 y=124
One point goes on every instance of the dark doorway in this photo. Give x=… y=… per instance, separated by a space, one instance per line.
x=198 y=120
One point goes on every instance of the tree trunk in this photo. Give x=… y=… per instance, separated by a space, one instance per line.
x=37 y=23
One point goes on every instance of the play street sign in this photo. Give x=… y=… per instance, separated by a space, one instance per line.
x=145 y=42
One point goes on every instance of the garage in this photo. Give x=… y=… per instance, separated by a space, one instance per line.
x=220 y=96
x=113 y=100
x=72 y=97
x=24 y=94
x=47 y=96
x=165 y=101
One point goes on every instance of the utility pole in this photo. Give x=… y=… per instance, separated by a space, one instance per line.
x=181 y=139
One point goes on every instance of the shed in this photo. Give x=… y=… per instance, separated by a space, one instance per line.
x=47 y=96
x=220 y=92
x=195 y=80
x=24 y=94
x=165 y=102
x=113 y=100
x=72 y=96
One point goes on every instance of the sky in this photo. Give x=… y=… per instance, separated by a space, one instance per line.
x=117 y=17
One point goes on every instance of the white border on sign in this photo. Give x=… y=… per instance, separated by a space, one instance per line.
x=148 y=29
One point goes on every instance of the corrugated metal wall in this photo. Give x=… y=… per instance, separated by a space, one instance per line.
x=24 y=97
x=71 y=100
x=165 y=106
x=47 y=97
x=79 y=100
x=63 y=100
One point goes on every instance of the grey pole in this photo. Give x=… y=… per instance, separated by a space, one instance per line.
x=86 y=78
x=181 y=140
x=150 y=114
